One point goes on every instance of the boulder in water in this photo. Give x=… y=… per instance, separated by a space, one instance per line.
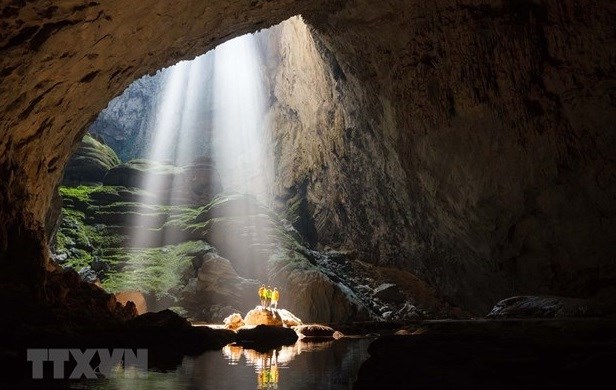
x=234 y=321
x=316 y=330
x=266 y=335
x=262 y=316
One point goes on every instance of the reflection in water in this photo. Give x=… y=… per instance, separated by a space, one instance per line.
x=304 y=365
x=266 y=364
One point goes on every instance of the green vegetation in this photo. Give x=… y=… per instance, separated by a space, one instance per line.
x=98 y=221
x=158 y=271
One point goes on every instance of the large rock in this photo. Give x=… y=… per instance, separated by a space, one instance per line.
x=234 y=321
x=540 y=307
x=262 y=316
x=288 y=319
x=389 y=293
x=90 y=162
x=315 y=330
x=216 y=282
x=266 y=335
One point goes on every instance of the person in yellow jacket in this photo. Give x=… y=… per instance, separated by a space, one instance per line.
x=275 y=297
x=262 y=294
x=268 y=297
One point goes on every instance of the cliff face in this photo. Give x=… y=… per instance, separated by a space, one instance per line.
x=502 y=115
x=470 y=142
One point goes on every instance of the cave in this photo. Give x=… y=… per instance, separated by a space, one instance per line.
x=442 y=174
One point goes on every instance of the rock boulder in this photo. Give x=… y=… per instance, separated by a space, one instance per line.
x=234 y=321
x=262 y=316
x=388 y=292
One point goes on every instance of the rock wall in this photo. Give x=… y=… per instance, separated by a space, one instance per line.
x=502 y=115
x=499 y=113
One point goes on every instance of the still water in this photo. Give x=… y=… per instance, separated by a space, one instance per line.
x=304 y=365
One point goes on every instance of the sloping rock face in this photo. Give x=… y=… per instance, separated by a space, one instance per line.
x=490 y=124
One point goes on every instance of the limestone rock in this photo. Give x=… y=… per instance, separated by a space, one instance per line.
x=540 y=307
x=389 y=293
x=234 y=321
x=90 y=162
x=288 y=319
x=266 y=335
x=262 y=316
x=314 y=330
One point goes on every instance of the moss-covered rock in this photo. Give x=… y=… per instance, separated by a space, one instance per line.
x=90 y=162
x=193 y=184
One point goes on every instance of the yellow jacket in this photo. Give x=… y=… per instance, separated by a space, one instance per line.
x=262 y=292
x=275 y=295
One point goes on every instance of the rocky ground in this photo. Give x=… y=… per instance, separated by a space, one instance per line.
x=203 y=252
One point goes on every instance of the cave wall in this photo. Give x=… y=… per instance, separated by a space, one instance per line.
x=502 y=114
x=475 y=146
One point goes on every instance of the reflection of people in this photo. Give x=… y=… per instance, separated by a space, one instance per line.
x=268 y=296
x=262 y=294
x=267 y=372
x=275 y=297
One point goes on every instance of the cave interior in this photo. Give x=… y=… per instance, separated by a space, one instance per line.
x=444 y=166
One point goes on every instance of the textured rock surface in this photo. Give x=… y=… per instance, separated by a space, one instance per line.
x=544 y=307
x=289 y=319
x=234 y=321
x=195 y=183
x=90 y=162
x=262 y=316
x=475 y=146
x=314 y=330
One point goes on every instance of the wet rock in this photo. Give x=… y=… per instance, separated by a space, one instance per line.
x=388 y=292
x=262 y=316
x=266 y=335
x=234 y=321
x=540 y=307
x=166 y=319
x=314 y=330
x=288 y=319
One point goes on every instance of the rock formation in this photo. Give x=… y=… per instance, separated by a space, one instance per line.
x=90 y=162
x=262 y=316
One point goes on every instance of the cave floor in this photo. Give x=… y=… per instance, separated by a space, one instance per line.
x=478 y=354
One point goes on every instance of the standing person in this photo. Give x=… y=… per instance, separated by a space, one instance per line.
x=275 y=297
x=268 y=296
x=262 y=294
